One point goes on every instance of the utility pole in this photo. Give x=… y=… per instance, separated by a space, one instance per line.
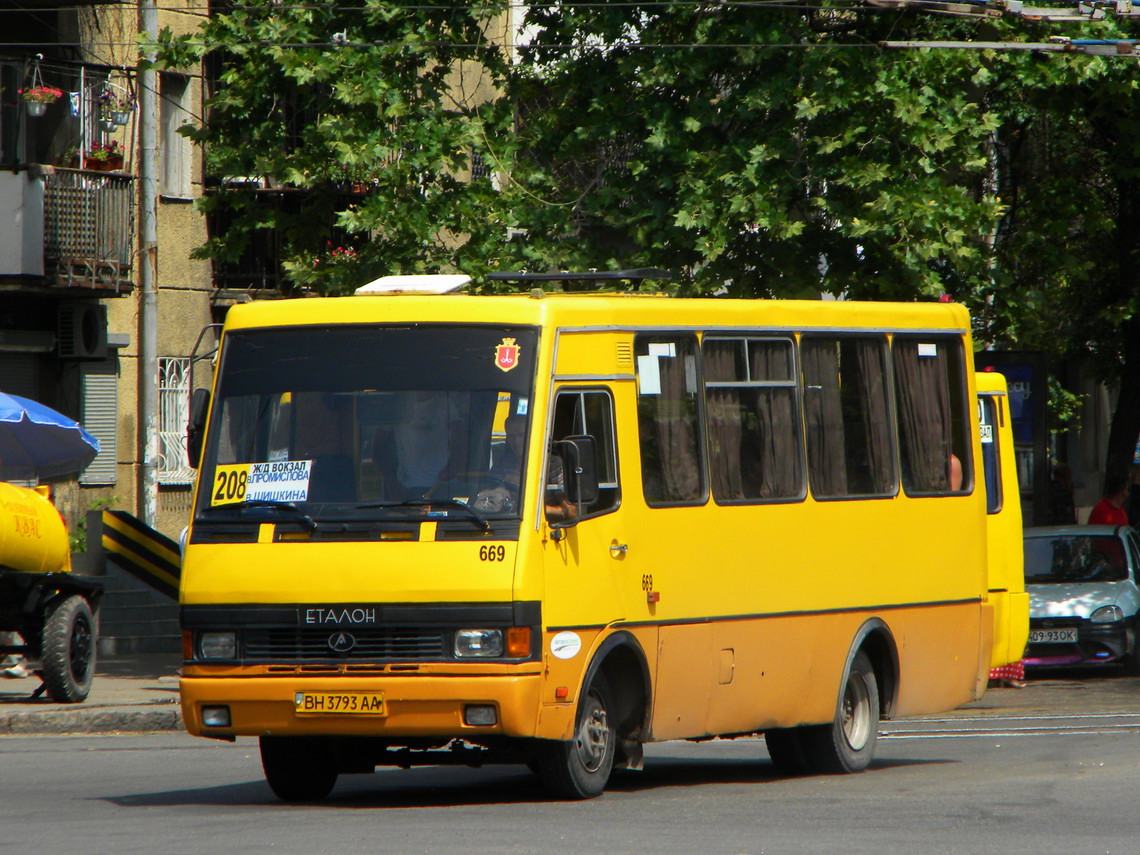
x=148 y=270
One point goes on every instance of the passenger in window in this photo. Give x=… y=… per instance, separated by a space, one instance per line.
x=413 y=456
x=955 y=473
x=507 y=465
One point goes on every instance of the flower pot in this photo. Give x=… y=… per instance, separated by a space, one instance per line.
x=36 y=108
x=120 y=117
x=111 y=164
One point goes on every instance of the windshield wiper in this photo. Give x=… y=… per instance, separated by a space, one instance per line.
x=284 y=507
x=474 y=515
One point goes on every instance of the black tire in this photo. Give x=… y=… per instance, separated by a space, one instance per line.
x=67 y=660
x=580 y=768
x=1131 y=660
x=786 y=748
x=848 y=743
x=298 y=768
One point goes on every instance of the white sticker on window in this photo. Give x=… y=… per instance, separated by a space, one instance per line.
x=648 y=375
x=662 y=348
x=928 y=350
x=987 y=433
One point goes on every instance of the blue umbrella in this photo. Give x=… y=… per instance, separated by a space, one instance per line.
x=38 y=442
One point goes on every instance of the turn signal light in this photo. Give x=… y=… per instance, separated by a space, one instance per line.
x=518 y=642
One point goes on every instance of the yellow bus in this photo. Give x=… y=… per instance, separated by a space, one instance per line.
x=547 y=529
x=1005 y=559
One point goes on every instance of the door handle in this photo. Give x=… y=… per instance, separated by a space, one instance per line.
x=618 y=550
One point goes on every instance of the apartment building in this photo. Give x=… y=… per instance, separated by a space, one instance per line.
x=71 y=199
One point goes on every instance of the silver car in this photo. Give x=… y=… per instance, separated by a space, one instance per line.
x=1083 y=595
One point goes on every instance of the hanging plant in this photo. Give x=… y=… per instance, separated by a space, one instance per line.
x=36 y=98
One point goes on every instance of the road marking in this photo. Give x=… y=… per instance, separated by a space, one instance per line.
x=1091 y=724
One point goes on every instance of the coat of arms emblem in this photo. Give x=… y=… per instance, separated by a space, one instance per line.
x=507 y=354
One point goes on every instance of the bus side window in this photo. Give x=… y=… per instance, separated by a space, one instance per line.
x=930 y=397
x=850 y=440
x=752 y=419
x=590 y=413
x=672 y=464
x=991 y=456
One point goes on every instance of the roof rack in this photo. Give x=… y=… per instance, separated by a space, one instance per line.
x=635 y=275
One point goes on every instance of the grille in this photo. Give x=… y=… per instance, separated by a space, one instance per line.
x=372 y=644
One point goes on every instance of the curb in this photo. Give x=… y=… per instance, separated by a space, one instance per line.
x=162 y=717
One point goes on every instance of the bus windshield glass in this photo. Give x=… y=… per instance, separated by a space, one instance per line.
x=354 y=421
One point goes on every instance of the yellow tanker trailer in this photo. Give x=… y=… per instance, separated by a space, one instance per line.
x=52 y=609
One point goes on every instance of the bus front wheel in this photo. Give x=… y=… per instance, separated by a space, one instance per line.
x=848 y=743
x=298 y=768
x=580 y=768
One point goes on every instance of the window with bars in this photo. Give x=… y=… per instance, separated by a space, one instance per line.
x=173 y=414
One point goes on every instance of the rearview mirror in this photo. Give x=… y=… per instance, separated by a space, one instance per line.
x=579 y=487
x=196 y=428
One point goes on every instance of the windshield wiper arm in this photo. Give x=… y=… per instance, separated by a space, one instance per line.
x=287 y=507
x=474 y=515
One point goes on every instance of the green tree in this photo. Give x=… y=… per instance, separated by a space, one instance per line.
x=779 y=153
x=364 y=119
x=763 y=152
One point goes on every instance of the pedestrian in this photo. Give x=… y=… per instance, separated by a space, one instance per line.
x=1011 y=676
x=1062 y=509
x=1110 y=509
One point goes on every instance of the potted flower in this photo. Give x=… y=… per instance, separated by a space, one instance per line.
x=115 y=106
x=104 y=158
x=36 y=98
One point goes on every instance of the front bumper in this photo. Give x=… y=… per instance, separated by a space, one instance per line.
x=415 y=706
x=1097 y=643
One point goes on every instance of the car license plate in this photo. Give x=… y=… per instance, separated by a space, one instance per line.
x=339 y=703
x=1053 y=636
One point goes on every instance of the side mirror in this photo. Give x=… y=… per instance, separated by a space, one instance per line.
x=579 y=487
x=196 y=428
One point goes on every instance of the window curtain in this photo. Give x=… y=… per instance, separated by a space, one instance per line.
x=723 y=418
x=870 y=357
x=823 y=417
x=923 y=400
x=778 y=437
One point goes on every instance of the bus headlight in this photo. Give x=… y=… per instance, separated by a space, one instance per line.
x=1107 y=614
x=217 y=645
x=478 y=643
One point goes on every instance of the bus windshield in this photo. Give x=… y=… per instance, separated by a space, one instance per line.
x=353 y=420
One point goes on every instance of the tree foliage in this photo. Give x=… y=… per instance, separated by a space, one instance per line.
x=362 y=121
x=756 y=151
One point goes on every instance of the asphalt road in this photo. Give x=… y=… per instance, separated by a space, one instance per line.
x=1050 y=769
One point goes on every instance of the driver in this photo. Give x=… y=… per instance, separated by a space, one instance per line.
x=506 y=469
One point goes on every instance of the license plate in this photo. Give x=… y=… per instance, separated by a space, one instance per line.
x=339 y=703
x=1053 y=636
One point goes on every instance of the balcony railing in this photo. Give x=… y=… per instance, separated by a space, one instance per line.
x=89 y=228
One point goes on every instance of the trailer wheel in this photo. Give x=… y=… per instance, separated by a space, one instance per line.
x=68 y=656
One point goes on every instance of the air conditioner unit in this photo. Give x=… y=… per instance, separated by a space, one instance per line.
x=82 y=331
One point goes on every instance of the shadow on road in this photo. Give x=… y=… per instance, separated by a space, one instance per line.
x=433 y=787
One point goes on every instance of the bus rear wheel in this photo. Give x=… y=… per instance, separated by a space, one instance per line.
x=848 y=743
x=298 y=768
x=580 y=768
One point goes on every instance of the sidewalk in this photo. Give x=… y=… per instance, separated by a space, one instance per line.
x=140 y=693
x=130 y=693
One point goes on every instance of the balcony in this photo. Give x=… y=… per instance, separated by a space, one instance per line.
x=76 y=230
